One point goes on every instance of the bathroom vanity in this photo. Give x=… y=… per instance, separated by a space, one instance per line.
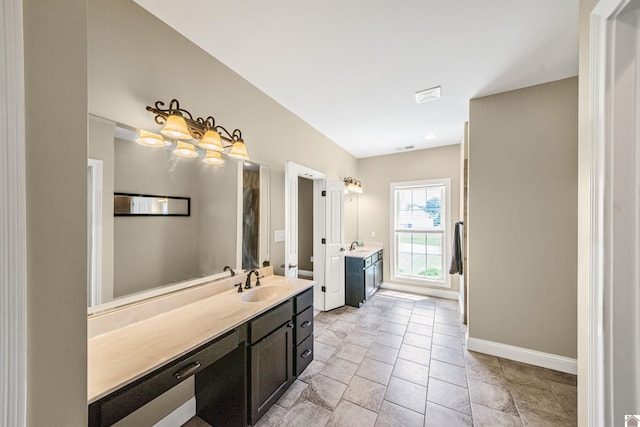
x=363 y=274
x=244 y=349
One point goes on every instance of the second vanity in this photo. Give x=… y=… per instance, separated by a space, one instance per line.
x=244 y=349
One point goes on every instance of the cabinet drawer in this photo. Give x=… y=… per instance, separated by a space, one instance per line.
x=270 y=321
x=374 y=258
x=304 y=300
x=304 y=355
x=367 y=262
x=123 y=402
x=304 y=325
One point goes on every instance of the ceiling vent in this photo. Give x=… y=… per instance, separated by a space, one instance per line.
x=405 y=147
x=428 y=94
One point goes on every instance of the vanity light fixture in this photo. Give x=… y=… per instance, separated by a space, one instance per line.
x=150 y=139
x=180 y=125
x=352 y=185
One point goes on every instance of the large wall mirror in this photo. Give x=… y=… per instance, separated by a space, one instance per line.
x=133 y=257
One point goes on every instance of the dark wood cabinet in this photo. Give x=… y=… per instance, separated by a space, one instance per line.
x=271 y=370
x=363 y=277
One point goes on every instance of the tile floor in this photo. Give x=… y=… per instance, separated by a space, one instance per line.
x=400 y=361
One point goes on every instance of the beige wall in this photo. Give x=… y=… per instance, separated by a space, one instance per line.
x=305 y=224
x=583 y=211
x=56 y=172
x=377 y=173
x=128 y=70
x=522 y=228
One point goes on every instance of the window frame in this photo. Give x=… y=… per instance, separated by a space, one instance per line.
x=445 y=282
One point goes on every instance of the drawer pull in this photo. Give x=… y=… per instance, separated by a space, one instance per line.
x=187 y=370
x=305 y=323
x=306 y=353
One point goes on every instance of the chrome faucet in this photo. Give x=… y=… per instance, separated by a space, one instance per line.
x=353 y=245
x=247 y=285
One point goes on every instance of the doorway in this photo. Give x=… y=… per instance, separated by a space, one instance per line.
x=328 y=233
x=305 y=228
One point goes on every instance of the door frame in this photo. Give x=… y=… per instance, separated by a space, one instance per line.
x=607 y=318
x=293 y=169
x=13 y=304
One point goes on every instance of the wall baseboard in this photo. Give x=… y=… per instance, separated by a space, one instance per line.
x=420 y=290
x=525 y=355
x=180 y=415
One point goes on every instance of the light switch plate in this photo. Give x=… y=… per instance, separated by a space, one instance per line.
x=279 y=236
x=373 y=233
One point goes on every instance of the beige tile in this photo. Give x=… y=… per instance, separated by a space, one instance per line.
x=567 y=396
x=439 y=416
x=411 y=371
x=197 y=422
x=365 y=393
x=289 y=398
x=397 y=318
x=272 y=418
x=375 y=370
x=535 y=415
x=360 y=339
x=425 y=310
x=422 y=319
x=417 y=340
x=446 y=341
x=382 y=353
x=322 y=352
x=486 y=373
x=404 y=304
x=492 y=396
x=393 y=328
x=415 y=354
x=443 y=328
x=446 y=354
x=417 y=328
x=324 y=392
x=487 y=417
x=522 y=373
x=407 y=394
x=305 y=413
x=311 y=371
x=349 y=415
x=351 y=352
x=449 y=395
x=392 y=415
x=389 y=340
x=350 y=317
x=447 y=318
x=342 y=327
x=474 y=358
x=339 y=369
x=329 y=338
x=447 y=372
x=400 y=310
x=537 y=399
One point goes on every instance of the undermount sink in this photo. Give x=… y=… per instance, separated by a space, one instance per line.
x=361 y=251
x=263 y=293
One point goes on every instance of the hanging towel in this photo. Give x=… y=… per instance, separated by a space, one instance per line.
x=456 y=252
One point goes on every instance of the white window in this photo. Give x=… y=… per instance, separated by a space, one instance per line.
x=420 y=221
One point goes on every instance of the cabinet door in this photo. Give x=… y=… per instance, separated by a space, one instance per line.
x=370 y=281
x=378 y=278
x=271 y=370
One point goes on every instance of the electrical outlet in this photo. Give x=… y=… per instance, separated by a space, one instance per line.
x=279 y=236
x=373 y=233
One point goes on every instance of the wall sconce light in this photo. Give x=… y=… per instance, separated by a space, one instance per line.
x=352 y=185
x=178 y=124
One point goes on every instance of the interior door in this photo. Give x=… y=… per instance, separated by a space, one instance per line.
x=291 y=220
x=334 y=231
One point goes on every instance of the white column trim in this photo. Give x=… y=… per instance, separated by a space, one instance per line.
x=13 y=281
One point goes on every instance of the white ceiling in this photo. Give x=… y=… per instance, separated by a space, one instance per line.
x=350 y=68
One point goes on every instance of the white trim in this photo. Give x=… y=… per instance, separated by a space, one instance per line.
x=180 y=415
x=306 y=273
x=94 y=270
x=606 y=330
x=445 y=282
x=420 y=290
x=13 y=278
x=524 y=355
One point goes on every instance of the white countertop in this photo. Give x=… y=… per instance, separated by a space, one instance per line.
x=362 y=251
x=118 y=357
